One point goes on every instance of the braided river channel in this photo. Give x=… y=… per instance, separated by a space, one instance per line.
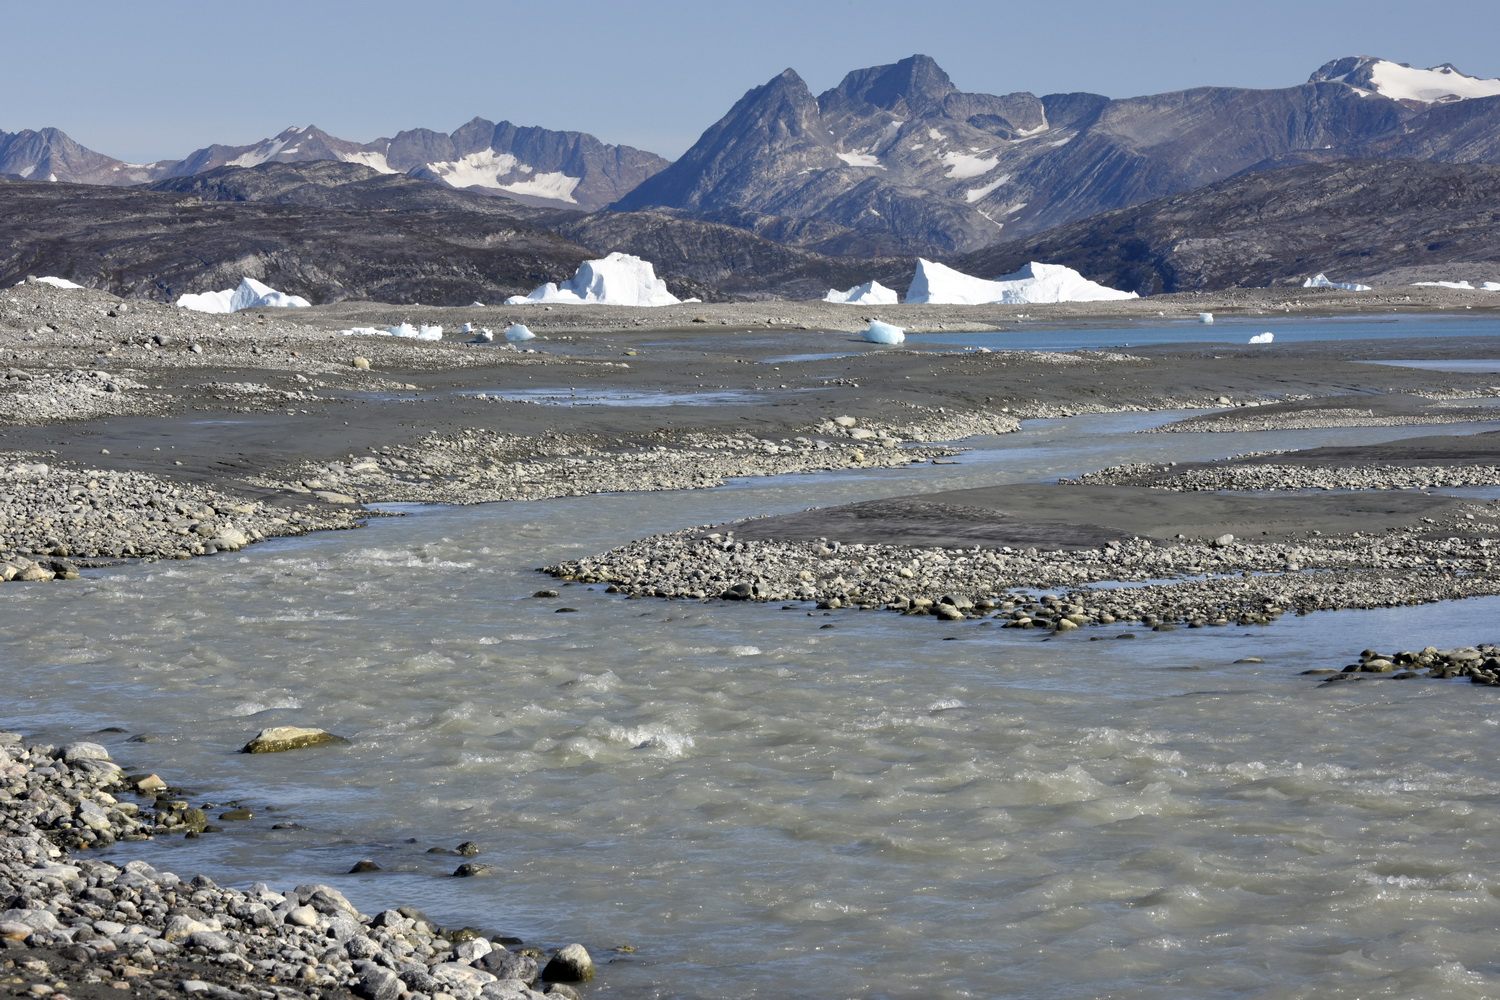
x=770 y=801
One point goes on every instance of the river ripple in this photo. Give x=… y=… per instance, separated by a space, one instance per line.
x=763 y=806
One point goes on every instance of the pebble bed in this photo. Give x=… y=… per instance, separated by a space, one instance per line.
x=1240 y=475
x=1193 y=583
x=1480 y=664
x=73 y=925
x=481 y=466
x=55 y=519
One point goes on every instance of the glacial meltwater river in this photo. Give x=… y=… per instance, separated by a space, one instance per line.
x=763 y=806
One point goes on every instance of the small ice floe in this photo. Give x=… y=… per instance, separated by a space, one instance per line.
x=250 y=294
x=484 y=335
x=1320 y=280
x=403 y=330
x=884 y=333
x=467 y=328
x=1205 y=317
x=1263 y=338
x=871 y=293
x=518 y=333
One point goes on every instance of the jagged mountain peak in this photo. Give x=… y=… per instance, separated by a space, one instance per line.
x=910 y=86
x=1441 y=84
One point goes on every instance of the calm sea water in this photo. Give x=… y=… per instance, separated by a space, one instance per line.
x=763 y=806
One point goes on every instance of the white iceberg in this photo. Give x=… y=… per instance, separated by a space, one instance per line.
x=1035 y=283
x=251 y=294
x=1490 y=286
x=403 y=330
x=55 y=282
x=871 y=293
x=883 y=333
x=1205 y=317
x=617 y=280
x=1462 y=286
x=1321 y=281
x=518 y=333
x=484 y=335
x=1263 y=338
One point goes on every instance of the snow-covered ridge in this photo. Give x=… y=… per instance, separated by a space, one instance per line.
x=939 y=284
x=1401 y=82
x=617 y=280
x=250 y=294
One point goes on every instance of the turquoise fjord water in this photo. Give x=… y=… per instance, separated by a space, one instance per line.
x=762 y=806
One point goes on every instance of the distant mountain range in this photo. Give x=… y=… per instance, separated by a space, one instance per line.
x=789 y=194
x=534 y=166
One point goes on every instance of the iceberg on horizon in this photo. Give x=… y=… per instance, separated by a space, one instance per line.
x=1035 y=283
x=250 y=294
x=403 y=330
x=617 y=280
x=871 y=293
x=1462 y=286
x=1321 y=281
x=54 y=281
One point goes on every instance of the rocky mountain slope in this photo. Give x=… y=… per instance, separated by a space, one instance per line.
x=1378 y=222
x=160 y=245
x=900 y=153
x=532 y=165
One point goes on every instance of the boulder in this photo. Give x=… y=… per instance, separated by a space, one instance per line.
x=280 y=738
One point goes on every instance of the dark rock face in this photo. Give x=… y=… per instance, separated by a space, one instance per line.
x=159 y=245
x=899 y=151
x=534 y=165
x=1372 y=221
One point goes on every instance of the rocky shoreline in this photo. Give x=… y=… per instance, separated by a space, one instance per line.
x=73 y=925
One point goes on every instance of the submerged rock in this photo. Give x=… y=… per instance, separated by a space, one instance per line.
x=280 y=738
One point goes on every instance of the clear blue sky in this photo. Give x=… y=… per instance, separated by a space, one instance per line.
x=148 y=80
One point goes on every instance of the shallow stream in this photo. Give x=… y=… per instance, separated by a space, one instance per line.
x=765 y=806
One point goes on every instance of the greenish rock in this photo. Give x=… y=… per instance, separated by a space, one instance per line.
x=281 y=738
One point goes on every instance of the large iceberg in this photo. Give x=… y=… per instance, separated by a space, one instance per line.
x=1321 y=281
x=618 y=280
x=251 y=294
x=1035 y=283
x=871 y=293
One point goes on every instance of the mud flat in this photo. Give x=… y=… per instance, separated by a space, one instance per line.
x=137 y=430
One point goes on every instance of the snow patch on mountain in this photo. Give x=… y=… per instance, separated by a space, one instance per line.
x=1035 y=283
x=975 y=194
x=617 y=280
x=962 y=166
x=861 y=160
x=498 y=171
x=871 y=293
x=250 y=294
x=369 y=158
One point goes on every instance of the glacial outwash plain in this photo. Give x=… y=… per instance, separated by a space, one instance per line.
x=387 y=612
